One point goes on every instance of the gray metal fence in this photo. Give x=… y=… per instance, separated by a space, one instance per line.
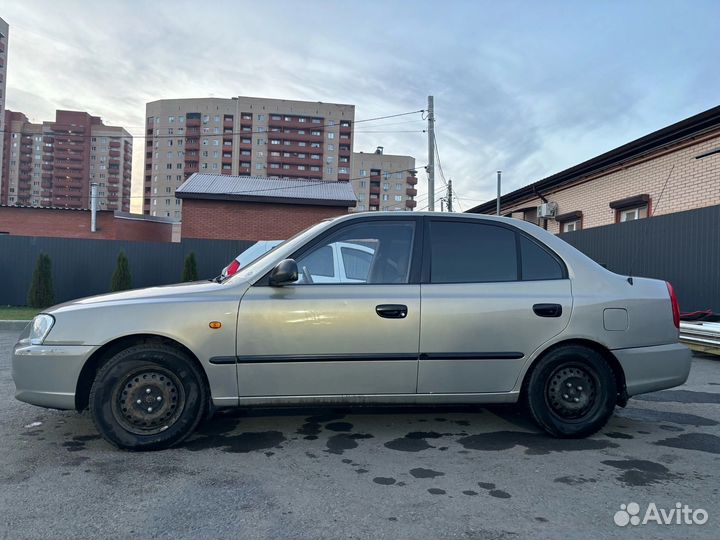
x=682 y=248
x=85 y=267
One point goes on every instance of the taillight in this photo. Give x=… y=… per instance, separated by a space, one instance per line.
x=232 y=267
x=675 y=306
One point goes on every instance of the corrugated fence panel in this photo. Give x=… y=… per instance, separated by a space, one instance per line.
x=682 y=248
x=85 y=267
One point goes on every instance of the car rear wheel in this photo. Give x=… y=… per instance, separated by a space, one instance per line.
x=148 y=397
x=571 y=392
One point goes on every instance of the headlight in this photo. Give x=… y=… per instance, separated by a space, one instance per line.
x=40 y=328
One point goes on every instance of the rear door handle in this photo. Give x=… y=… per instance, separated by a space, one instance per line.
x=547 y=310
x=392 y=311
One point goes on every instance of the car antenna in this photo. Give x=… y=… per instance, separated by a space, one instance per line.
x=654 y=209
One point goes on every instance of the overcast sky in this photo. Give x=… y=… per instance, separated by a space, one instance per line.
x=527 y=87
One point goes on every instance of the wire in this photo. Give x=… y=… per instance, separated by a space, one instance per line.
x=198 y=135
x=663 y=191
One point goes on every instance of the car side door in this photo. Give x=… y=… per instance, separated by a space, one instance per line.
x=327 y=335
x=491 y=295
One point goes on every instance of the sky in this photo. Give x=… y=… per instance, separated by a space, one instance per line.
x=527 y=87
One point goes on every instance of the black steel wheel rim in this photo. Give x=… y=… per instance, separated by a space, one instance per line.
x=571 y=391
x=148 y=401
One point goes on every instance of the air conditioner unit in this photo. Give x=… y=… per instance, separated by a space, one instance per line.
x=547 y=210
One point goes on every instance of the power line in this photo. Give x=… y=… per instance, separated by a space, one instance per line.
x=310 y=127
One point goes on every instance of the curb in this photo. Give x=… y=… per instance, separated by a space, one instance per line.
x=13 y=325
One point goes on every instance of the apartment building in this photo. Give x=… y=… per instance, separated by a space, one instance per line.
x=674 y=169
x=241 y=136
x=53 y=164
x=4 y=35
x=384 y=181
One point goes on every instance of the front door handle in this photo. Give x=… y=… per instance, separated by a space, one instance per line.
x=547 y=310
x=392 y=311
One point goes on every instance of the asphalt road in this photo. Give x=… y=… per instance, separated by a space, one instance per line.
x=381 y=473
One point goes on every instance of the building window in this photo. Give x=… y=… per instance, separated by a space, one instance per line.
x=631 y=208
x=331 y=135
x=571 y=221
x=570 y=226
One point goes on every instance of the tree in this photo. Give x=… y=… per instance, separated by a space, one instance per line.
x=41 y=289
x=190 y=272
x=121 y=278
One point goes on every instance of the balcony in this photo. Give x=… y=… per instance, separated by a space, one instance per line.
x=343 y=177
x=192 y=122
x=112 y=198
x=113 y=180
x=245 y=145
x=191 y=167
x=411 y=192
x=295 y=160
x=26 y=139
x=375 y=189
x=287 y=136
x=49 y=140
x=227 y=122
x=192 y=144
x=281 y=173
x=68 y=155
x=47 y=167
x=226 y=160
x=412 y=180
x=115 y=153
x=294 y=123
x=46 y=194
x=410 y=203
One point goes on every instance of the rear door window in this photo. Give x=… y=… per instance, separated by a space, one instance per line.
x=463 y=252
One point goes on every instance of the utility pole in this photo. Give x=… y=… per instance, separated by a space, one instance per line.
x=449 y=196
x=497 y=209
x=431 y=154
x=442 y=207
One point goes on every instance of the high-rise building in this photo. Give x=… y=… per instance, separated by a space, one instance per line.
x=242 y=136
x=54 y=163
x=383 y=181
x=4 y=34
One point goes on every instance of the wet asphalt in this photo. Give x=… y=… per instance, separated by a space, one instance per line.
x=452 y=472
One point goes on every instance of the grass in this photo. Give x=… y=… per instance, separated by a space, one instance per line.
x=17 y=313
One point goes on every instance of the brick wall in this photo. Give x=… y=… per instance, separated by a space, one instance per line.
x=63 y=223
x=232 y=220
x=694 y=183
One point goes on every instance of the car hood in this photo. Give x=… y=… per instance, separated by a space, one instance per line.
x=167 y=293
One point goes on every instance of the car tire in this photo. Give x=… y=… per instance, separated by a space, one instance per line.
x=148 y=397
x=571 y=392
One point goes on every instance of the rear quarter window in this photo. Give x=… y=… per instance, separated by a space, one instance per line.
x=537 y=262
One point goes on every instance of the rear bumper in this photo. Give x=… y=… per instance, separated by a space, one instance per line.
x=654 y=368
x=47 y=375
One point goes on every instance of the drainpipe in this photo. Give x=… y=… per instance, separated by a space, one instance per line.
x=93 y=206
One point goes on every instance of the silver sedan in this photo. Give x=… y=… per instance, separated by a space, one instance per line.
x=428 y=309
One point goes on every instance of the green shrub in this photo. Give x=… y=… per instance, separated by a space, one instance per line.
x=190 y=272
x=41 y=289
x=121 y=278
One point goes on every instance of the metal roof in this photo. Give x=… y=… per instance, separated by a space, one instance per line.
x=689 y=128
x=267 y=190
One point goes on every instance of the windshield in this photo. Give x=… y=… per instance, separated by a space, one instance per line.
x=253 y=268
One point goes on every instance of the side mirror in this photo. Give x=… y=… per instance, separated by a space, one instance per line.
x=285 y=272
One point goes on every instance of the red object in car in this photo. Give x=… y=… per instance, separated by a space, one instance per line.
x=675 y=306
x=232 y=267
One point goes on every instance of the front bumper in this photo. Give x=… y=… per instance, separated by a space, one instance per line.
x=654 y=368
x=47 y=375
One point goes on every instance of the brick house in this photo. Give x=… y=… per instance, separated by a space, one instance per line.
x=75 y=223
x=674 y=169
x=258 y=208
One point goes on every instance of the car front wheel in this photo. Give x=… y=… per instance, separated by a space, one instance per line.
x=148 y=397
x=571 y=392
